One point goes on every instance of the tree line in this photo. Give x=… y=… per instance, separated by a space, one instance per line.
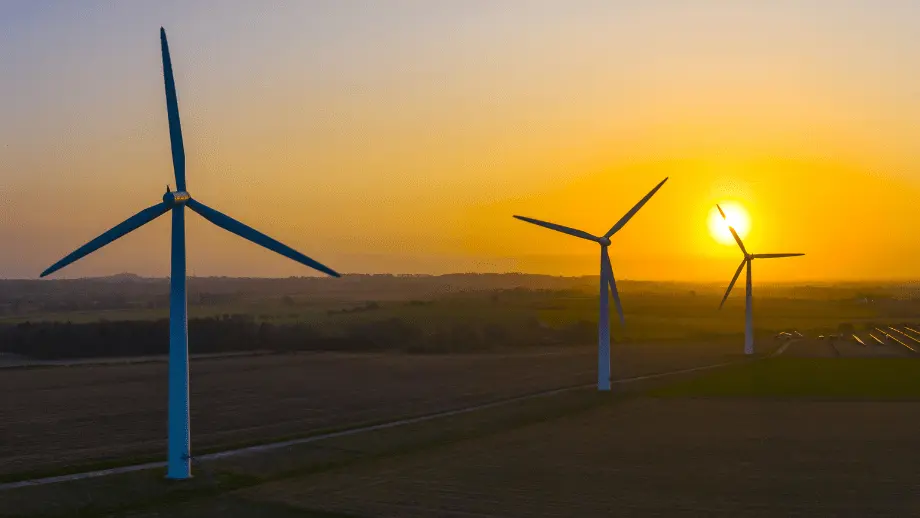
x=236 y=333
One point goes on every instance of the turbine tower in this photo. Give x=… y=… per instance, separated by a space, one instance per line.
x=178 y=456
x=748 y=309
x=607 y=282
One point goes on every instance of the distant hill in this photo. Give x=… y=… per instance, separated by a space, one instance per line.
x=124 y=277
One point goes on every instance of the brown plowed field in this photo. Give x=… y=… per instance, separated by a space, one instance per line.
x=74 y=416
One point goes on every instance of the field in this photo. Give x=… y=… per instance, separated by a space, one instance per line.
x=65 y=418
x=828 y=417
x=801 y=434
x=696 y=448
x=420 y=315
x=869 y=379
x=688 y=308
x=646 y=457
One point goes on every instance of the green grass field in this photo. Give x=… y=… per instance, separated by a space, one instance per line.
x=830 y=378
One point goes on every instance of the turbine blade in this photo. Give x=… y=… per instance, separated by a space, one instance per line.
x=608 y=270
x=632 y=212
x=560 y=228
x=773 y=256
x=737 y=239
x=172 y=112
x=732 y=229
x=231 y=225
x=145 y=216
x=732 y=284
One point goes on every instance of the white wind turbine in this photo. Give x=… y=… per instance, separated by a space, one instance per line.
x=748 y=310
x=607 y=282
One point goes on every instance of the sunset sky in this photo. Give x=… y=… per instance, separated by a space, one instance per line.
x=402 y=136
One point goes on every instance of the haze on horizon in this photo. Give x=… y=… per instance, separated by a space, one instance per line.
x=402 y=137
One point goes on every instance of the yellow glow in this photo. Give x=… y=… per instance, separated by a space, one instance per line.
x=735 y=216
x=411 y=154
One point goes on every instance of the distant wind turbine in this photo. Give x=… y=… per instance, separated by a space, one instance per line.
x=748 y=310
x=178 y=456
x=607 y=282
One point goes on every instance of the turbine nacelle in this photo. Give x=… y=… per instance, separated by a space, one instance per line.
x=176 y=198
x=604 y=241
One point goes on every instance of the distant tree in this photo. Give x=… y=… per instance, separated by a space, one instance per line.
x=495 y=333
x=266 y=334
x=392 y=334
x=582 y=331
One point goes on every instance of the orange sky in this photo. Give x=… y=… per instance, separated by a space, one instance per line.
x=403 y=139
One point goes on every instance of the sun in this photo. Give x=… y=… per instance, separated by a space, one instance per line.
x=735 y=215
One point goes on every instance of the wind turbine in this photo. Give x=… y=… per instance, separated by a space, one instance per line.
x=748 y=310
x=178 y=455
x=607 y=279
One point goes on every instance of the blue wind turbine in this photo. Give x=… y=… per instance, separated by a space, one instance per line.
x=608 y=283
x=178 y=456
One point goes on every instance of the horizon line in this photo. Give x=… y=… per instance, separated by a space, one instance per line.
x=359 y=274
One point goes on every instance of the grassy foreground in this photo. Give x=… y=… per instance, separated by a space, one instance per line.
x=831 y=378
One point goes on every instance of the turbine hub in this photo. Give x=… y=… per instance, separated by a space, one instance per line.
x=176 y=198
x=604 y=241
